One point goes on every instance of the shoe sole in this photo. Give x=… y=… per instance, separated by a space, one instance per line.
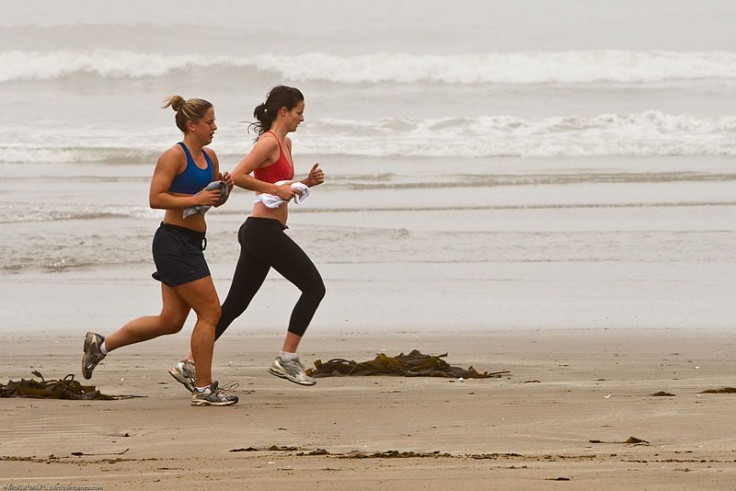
x=186 y=383
x=279 y=374
x=88 y=340
x=209 y=403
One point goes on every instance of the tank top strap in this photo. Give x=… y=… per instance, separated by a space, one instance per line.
x=190 y=160
x=282 y=154
x=207 y=158
x=277 y=140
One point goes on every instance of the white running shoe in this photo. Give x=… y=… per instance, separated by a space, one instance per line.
x=92 y=354
x=212 y=396
x=185 y=372
x=291 y=370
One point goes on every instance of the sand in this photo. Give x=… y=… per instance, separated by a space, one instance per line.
x=570 y=400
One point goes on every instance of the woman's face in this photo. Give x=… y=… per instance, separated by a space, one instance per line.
x=293 y=117
x=204 y=129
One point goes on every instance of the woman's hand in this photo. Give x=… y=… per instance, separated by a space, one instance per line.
x=315 y=177
x=208 y=198
x=228 y=179
x=285 y=191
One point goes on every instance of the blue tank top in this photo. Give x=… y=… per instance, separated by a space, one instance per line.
x=193 y=179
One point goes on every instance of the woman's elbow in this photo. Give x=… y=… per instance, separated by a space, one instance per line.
x=155 y=203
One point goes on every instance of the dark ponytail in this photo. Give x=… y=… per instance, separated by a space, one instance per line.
x=278 y=97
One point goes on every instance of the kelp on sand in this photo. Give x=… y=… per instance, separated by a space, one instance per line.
x=415 y=364
x=66 y=388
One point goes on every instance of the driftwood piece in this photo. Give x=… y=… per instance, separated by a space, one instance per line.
x=415 y=364
x=722 y=390
x=632 y=440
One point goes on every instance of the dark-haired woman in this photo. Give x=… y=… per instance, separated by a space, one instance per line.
x=263 y=242
x=179 y=182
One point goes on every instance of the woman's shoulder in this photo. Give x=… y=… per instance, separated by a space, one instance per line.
x=173 y=159
x=267 y=141
x=173 y=154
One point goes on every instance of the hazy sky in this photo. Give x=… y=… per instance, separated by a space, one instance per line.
x=702 y=25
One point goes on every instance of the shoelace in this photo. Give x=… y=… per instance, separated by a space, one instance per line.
x=229 y=387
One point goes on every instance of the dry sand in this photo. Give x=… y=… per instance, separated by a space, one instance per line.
x=557 y=420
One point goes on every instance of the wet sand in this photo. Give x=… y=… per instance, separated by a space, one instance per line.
x=570 y=401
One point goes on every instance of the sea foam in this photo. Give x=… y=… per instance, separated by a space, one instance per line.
x=650 y=133
x=532 y=67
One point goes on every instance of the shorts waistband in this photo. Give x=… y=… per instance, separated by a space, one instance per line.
x=193 y=235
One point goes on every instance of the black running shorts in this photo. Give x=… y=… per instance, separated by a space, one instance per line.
x=177 y=253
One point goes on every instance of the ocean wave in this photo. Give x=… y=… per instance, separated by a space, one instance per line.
x=56 y=213
x=529 y=67
x=35 y=152
x=650 y=133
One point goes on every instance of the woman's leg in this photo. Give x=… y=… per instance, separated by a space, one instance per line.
x=202 y=297
x=294 y=265
x=173 y=314
x=291 y=342
x=248 y=277
x=171 y=319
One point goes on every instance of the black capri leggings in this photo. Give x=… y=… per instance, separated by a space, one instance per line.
x=263 y=245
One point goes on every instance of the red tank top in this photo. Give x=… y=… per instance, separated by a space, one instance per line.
x=281 y=170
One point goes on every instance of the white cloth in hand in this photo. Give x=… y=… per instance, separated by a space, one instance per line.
x=224 y=191
x=272 y=201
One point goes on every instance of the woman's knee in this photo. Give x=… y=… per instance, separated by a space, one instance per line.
x=319 y=290
x=313 y=288
x=314 y=294
x=210 y=314
x=316 y=287
x=170 y=324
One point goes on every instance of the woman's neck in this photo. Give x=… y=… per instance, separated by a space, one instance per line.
x=279 y=131
x=193 y=144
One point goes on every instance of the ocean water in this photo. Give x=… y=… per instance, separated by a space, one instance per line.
x=464 y=143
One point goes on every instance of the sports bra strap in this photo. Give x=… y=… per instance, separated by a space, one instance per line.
x=186 y=151
x=277 y=140
x=191 y=159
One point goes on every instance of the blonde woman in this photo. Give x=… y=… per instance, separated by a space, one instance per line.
x=179 y=182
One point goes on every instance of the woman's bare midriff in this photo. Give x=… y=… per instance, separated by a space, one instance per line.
x=194 y=222
x=262 y=211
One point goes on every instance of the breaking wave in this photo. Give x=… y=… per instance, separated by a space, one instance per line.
x=531 y=67
x=650 y=133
